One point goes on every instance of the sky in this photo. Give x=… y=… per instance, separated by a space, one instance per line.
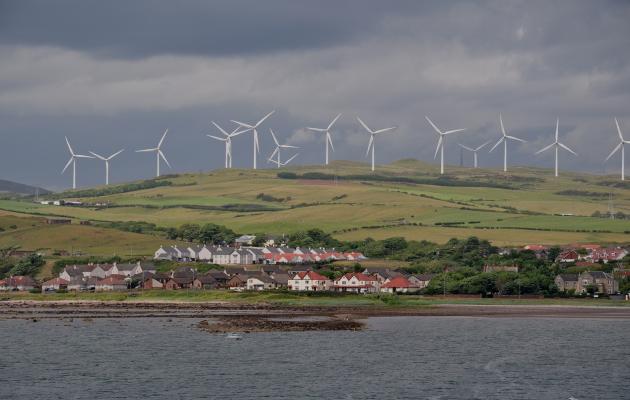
x=112 y=75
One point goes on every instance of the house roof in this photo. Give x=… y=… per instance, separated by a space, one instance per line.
x=360 y=276
x=424 y=277
x=398 y=282
x=599 y=274
x=55 y=281
x=206 y=279
x=314 y=276
x=20 y=280
x=262 y=278
x=569 y=277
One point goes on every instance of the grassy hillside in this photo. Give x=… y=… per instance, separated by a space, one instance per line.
x=31 y=233
x=406 y=198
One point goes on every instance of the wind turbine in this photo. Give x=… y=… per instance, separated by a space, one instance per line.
x=440 y=145
x=73 y=161
x=557 y=145
x=158 y=153
x=279 y=146
x=328 y=137
x=253 y=129
x=504 y=140
x=106 y=159
x=228 y=142
x=282 y=164
x=621 y=145
x=372 y=135
x=474 y=151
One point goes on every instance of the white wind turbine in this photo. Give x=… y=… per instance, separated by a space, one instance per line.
x=328 y=137
x=504 y=139
x=158 y=153
x=276 y=152
x=73 y=161
x=372 y=135
x=228 y=142
x=474 y=151
x=441 y=140
x=621 y=145
x=253 y=129
x=557 y=145
x=282 y=164
x=106 y=159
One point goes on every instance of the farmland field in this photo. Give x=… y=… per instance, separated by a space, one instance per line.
x=407 y=198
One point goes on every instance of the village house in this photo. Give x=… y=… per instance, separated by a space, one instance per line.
x=568 y=256
x=18 y=283
x=383 y=274
x=356 y=282
x=112 y=282
x=238 y=281
x=607 y=255
x=220 y=276
x=153 y=281
x=421 y=280
x=205 y=281
x=54 y=284
x=309 y=281
x=603 y=282
x=261 y=282
x=566 y=282
x=399 y=284
x=245 y=240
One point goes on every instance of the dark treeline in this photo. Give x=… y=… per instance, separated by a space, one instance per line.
x=208 y=234
x=10 y=266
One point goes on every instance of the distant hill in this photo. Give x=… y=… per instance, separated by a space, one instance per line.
x=20 y=188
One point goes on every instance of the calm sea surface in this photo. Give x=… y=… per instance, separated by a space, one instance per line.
x=395 y=358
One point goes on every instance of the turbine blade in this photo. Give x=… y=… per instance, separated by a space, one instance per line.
x=67 y=165
x=290 y=159
x=364 y=125
x=145 y=150
x=82 y=156
x=502 y=126
x=333 y=122
x=567 y=148
x=619 y=130
x=164 y=158
x=370 y=144
x=236 y=132
x=264 y=118
x=515 y=138
x=219 y=128
x=69 y=147
x=273 y=135
x=612 y=153
x=116 y=153
x=433 y=125
x=557 y=124
x=497 y=144
x=98 y=156
x=545 y=148
x=466 y=147
x=163 y=137
x=243 y=124
x=217 y=138
x=288 y=146
x=316 y=129
x=482 y=146
x=437 y=148
x=274 y=152
x=453 y=131
x=329 y=139
x=385 y=130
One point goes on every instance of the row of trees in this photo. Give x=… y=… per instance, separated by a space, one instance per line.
x=10 y=266
x=208 y=233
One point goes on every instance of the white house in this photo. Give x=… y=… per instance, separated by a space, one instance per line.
x=309 y=281
x=111 y=283
x=261 y=282
x=357 y=283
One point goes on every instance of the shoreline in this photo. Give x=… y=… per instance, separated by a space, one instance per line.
x=27 y=309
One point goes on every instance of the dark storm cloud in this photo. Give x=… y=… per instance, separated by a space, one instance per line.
x=227 y=27
x=116 y=74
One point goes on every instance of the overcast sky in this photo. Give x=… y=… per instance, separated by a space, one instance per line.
x=116 y=74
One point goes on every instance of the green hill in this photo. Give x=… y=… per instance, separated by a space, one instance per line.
x=406 y=198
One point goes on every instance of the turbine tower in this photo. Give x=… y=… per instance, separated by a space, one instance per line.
x=106 y=159
x=557 y=145
x=158 y=153
x=372 y=135
x=253 y=129
x=474 y=151
x=440 y=144
x=276 y=152
x=328 y=137
x=73 y=161
x=621 y=145
x=504 y=140
x=282 y=164
x=228 y=142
